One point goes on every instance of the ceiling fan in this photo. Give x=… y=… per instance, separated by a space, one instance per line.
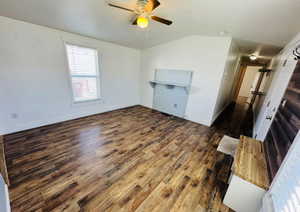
x=143 y=12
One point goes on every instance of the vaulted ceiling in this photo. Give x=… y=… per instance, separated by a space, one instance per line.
x=257 y=25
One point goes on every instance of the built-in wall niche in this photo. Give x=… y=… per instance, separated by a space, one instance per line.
x=171 y=90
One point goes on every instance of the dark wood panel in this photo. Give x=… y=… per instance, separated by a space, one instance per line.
x=280 y=149
x=133 y=159
x=286 y=118
x=271 y=157
x=288 y=131
x=285 y=126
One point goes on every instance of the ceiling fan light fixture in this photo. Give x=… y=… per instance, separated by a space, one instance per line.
x=142 y=22
x=253 y=57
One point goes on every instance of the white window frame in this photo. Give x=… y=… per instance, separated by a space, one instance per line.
x=97 y=76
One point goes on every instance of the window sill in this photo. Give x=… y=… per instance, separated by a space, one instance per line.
x=88 y=102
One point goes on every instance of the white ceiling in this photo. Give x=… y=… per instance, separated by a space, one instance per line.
x=258 y=25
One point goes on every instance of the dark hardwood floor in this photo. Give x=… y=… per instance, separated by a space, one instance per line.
x=237 y=119
x=133 y=159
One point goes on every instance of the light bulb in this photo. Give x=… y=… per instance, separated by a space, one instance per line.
x=253 y=57
x=142 y=22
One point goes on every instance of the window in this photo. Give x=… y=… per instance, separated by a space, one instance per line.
x=83 y=66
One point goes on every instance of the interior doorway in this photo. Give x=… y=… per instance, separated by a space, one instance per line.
x=251 y=80
x=249 y=83
x=249 y=88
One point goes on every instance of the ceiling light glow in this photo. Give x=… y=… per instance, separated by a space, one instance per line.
x=142 y=22
x=253 y=57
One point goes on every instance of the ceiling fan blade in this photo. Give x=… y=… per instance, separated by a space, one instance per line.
x=119 y=7
x=156 y=3
x=134 y=20
x=162 y=20
x=151 y=5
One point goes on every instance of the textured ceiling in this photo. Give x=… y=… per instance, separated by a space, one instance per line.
x=263 y=26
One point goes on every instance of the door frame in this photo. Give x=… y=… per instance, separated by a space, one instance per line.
x=245 y=62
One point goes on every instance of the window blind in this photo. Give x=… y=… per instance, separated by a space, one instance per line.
x=83 y=65
x=82 y=61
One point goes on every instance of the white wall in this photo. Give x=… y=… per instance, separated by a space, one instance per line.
x=34 y=80
x=4 y=197
x=229 y=76
x=205 y=56
x=249 y=77
x=35 y=88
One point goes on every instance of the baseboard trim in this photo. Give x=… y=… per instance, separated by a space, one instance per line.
x=58 y=119
x=3 y=167
x=8 y=209
x=184 y=117
x=4 y=196
x=219 y=113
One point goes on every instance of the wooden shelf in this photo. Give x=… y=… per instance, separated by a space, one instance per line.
x=295 y=90
x=170 y=84
x=250 y=163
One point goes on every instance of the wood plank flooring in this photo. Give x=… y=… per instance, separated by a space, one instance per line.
x=133 y=159
x=237 y=119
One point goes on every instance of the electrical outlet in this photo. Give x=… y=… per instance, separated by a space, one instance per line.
x=14 y=115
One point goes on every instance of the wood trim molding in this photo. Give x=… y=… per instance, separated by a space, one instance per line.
x=242 y=72
x=3 y=168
